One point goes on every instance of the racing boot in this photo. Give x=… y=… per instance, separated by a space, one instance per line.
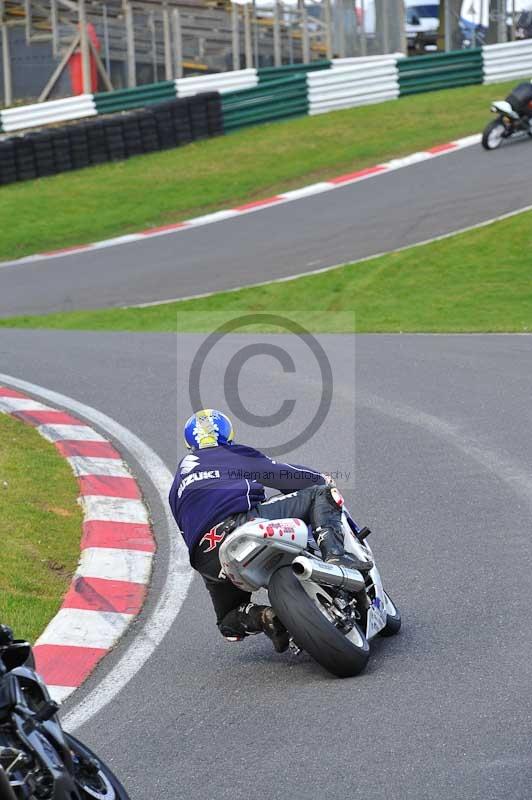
x=263 y=619
x=327 y=525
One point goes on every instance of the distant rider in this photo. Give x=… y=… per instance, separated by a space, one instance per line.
x=219 y=486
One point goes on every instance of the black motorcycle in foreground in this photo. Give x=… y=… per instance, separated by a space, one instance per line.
x=514 y=115
x=38 y=760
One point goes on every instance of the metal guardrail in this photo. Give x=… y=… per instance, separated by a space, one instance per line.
x=440 y=71
x=126 y=99
x=503 y=62
x=253 y=96
x=275 y=100
x=217 y=82
x=267 y=74
x=352 y=84
x=21 y=117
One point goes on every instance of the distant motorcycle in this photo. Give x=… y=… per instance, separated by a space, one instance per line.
x=514 y=115
x=38 y=760
x=329 y=611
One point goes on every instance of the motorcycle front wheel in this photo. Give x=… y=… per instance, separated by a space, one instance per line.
x=493 y=135
x=6 y=792
x=100 y=784
x=304 y=613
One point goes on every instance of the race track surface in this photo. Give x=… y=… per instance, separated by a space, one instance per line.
x=396 y=209
x=437 y=430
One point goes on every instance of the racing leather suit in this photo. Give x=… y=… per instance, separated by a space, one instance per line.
x=219 y=488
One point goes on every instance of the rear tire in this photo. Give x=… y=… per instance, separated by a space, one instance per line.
x=311 y=629
x=493 y=135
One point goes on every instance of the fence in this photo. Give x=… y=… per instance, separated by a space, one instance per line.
x=252 y=96
x=351 y=85
x=505 y=61
x=440 y=71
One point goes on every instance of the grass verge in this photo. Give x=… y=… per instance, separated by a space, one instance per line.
x=40 y=527
x=147 y=191
x=473 y=282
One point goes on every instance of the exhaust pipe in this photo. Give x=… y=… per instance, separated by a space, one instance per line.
x=308 y=569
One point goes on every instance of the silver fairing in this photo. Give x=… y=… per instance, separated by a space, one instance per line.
x=253 y=552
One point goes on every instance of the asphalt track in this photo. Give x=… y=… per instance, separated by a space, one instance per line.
x=393 y=210
x=437 y=429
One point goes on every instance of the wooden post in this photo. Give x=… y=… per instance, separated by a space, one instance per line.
x=448 y=26
x=178 y=42
x=362 y=29
x=328 y=29
x=247 y=37
x=85 y=48
x=235 y=35
x=130 y=45
x=59 y=69
x=6 y=63
x=304 y=32
x=168 y=71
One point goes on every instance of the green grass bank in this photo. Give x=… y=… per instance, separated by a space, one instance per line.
x=147 y=191
x=40 y=528
x=479 y=281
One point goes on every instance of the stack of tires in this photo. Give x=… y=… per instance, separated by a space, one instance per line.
x=162 y=126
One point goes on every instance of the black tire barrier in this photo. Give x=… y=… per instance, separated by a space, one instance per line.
x=162 y=126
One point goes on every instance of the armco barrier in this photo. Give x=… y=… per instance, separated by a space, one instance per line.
x=141 y=96
x=278 y=99
x=267 y=74
x=21 y=117
x=503 y=62
x=217 y=82
x=347 y=86
x=441 y=71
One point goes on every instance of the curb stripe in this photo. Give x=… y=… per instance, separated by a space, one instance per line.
x=256 y=205
x=97 y=594
x=109 y=486
x=116 y=549
x=85 y=466
x=123 y=535
x=88 y=450
x=115 y=564
x=46 y=418
x=69 y=665
x=352 y=177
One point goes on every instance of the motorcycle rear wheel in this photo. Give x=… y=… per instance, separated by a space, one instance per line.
x=493 y=135
x=313 y=631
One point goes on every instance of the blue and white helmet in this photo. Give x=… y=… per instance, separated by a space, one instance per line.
x=207 y=428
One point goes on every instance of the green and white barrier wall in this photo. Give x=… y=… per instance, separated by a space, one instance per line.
x=251 y=97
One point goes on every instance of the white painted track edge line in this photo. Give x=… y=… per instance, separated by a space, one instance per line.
x=320 y=270
x=210 y=219
x=156 y=624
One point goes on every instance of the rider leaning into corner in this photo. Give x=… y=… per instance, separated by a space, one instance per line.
x=219 y=486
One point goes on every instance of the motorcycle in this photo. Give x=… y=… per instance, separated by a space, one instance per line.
x=514 y=116
x=331 y=612
x=38 y=760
